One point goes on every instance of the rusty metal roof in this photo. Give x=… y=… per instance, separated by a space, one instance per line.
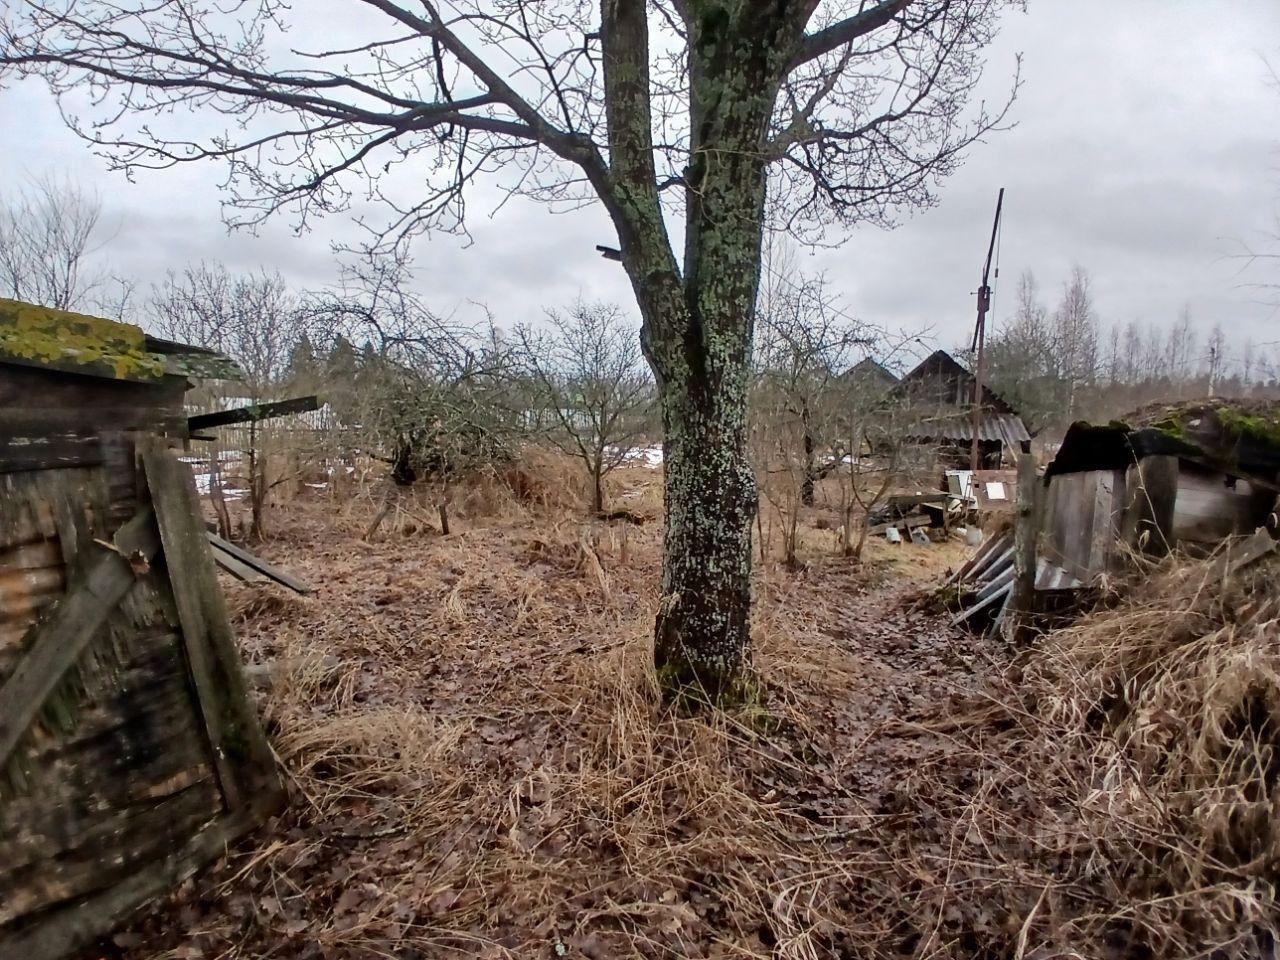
x=1007 y=428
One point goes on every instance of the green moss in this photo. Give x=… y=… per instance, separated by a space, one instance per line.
x=742 y=696
x=43 y=336
x=1240 y=424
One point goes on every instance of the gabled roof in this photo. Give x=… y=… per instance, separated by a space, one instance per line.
x=870 y=371
x=941 y=373
x=36 y=336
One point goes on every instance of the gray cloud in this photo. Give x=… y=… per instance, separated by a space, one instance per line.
x=1145 y=150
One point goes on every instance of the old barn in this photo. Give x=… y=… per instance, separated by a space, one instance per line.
x=130 y=754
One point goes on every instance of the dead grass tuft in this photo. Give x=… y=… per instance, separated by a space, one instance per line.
x=1122 y=796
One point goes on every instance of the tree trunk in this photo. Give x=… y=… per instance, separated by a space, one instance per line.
x=698 y=321
x=810 y=470
x=703 y=623
x=597 y=491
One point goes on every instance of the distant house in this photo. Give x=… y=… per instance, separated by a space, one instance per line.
x=869 y=377
x=939 y=396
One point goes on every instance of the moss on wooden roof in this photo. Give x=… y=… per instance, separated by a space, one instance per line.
x=76 y=342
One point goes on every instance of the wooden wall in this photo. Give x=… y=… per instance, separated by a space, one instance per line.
x=1082 y=521
x=1093 y=519
x=1210 y=506
x=129 y=752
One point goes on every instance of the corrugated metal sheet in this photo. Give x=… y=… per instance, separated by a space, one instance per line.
x=1008 y=428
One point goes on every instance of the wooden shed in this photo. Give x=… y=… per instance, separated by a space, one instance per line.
x=130 y=754
x=1189 y=475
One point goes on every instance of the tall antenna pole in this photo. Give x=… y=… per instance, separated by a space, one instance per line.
x=980 y=337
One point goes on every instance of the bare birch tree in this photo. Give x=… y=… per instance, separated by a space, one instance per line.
x=49 y=231
x=848 y=111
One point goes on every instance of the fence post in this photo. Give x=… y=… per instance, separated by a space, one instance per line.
x=1022 y=602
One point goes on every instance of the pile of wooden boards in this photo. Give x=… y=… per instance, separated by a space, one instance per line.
x=907 y=512
x=985 y=583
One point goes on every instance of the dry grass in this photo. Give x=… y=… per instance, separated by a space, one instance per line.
x=1119 y=789
x=480 y=766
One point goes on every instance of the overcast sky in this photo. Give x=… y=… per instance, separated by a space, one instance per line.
x=1146 y=150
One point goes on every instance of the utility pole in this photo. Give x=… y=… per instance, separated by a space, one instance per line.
x=980 y=336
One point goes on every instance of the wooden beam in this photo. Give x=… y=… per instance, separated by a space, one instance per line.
x=242 y=758
x=252 y=414
x=238 y=569
x=229 y=549
x=75 y=619
x=1026 y=532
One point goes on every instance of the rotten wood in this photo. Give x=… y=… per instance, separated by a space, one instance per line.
x=242 y=757
x=1152 y=484
x=71 y=626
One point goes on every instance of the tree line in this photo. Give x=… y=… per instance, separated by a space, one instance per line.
x=1061 y=363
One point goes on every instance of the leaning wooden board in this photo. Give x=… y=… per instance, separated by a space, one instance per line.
x=133 y=752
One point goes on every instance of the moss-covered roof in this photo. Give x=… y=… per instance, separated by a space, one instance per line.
x=78 y=343
x=1228 y=421
x=1240 y=437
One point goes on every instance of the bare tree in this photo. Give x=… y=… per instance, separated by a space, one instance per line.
x=254 y=319
x=49 y=231
x=590 y=374
x=657 y=108
x=804 y=343
x=430 y=394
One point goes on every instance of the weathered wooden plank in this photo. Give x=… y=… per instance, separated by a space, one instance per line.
x=242 y=757
x=1005 y=577
x=76 y=926
x=256 y=563
x=996 y=560
x=1152 y=485
x=1116 y=552
x=70 y=628
x=252 y=414
x=48 y=451
x=1026 y=532
x=109 y=846
x=979 y=555
x=237 y=568
x=1083 y=528
x=85 y=816
x=982 y=604
x=1103 y=532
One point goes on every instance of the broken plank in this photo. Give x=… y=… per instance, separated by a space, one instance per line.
x=252 y=413
x=257 y=563
x=981 y=605
x=903 y=523
x=995 y=560
x=237 y=568
x=978 y=557
x=1005 y=577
